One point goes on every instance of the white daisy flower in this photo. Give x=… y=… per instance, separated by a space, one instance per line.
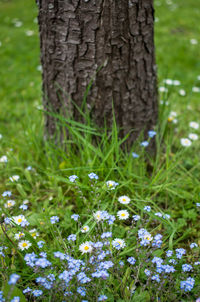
x=182 y=92
x=195 y=89
x=4 y=159
x=111 y=184
x=34 y=233
x=85 y=229
x=19 y=235
x=185 y=142
x=163 y=89
x=123 y=214
x=168 y=81
x=193 y=41
x=124 y=199
x=26 y=201
x=176 y=82
x=20 y=220
x=98 y=215
x=118 y=243
x=24 y=245
x=14 y=178
x=86 y=247
x=194 y=125
x=29 y=33
x=9 y=204
x=193 y=136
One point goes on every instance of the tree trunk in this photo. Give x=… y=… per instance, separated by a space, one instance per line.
x=110 y=42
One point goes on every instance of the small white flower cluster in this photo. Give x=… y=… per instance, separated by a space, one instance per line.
x=186 y=142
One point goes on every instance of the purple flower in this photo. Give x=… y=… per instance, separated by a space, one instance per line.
x=72 y=178
x=75 y=217
x=93 y=176
x=54 y=219
x=71 y=237
x=135 y=155
x=13 y=279
x=144 y=144
x=151 y=133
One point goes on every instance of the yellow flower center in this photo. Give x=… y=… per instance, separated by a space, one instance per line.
x=33 y=234
x=21 y=234
x=19 y=220
x=123 y=199
x=24 y=244
x=110 y=185
x=123 y=214
x=170 y=119
x=86 y=248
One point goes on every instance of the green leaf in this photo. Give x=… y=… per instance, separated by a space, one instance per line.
x=10 y=292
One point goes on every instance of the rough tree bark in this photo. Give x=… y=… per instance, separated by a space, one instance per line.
x=80 y=36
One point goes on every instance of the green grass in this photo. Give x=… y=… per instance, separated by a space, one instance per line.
x=169 y=182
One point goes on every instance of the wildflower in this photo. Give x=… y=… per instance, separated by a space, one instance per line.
x=14 y=178
x=15 y=299
x=193 y=245
x=193 y=41
x=37 y=293
x=180 y=252
x=86 y=247
x=163 y=89
x=3 y=159
x=193 y=136
x=118 y=243
x=6 y=193
x=20 y=220
x=156 y=278
x=194 y=125
x=106 y=235
x=98 y=215
x=73 y=178
x=147 y=208
x=157 y=242
x=157 y=260
x=172 y=117
x=93 y=176
x=40 y=244
x=123 y=214
x=121 y=263
x=188 y=284
x=111 y=219
x=158 y=214
x=147 y=272
x=19 y=235
x=102 y=298
x=151 y=133
x=85 y=229
x=197 y=263
x=71 y=237
x=42 y=262
x=1 y=293
x=185 y=142
x=186 y=267
x=169 y=253
x=136 y=217
x=13 y=279
x=131 y=260
x=124 y=199
x=9 y=204
x=29 y=168
x=81 y=291
x=27 y=290
x=182 y=92
x=24 y=207
x=54 y=219
x=7 y=220
x=198 y=204
x=24 y=245
x=135 y=155
x=144 y=144
x=75 y=217
x=166 y=216
x=34 y=233
x=111 y=184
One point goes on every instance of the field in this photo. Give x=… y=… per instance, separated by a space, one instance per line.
x=100 y=223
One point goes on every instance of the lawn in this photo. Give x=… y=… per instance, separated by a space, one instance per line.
x=100 y=223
